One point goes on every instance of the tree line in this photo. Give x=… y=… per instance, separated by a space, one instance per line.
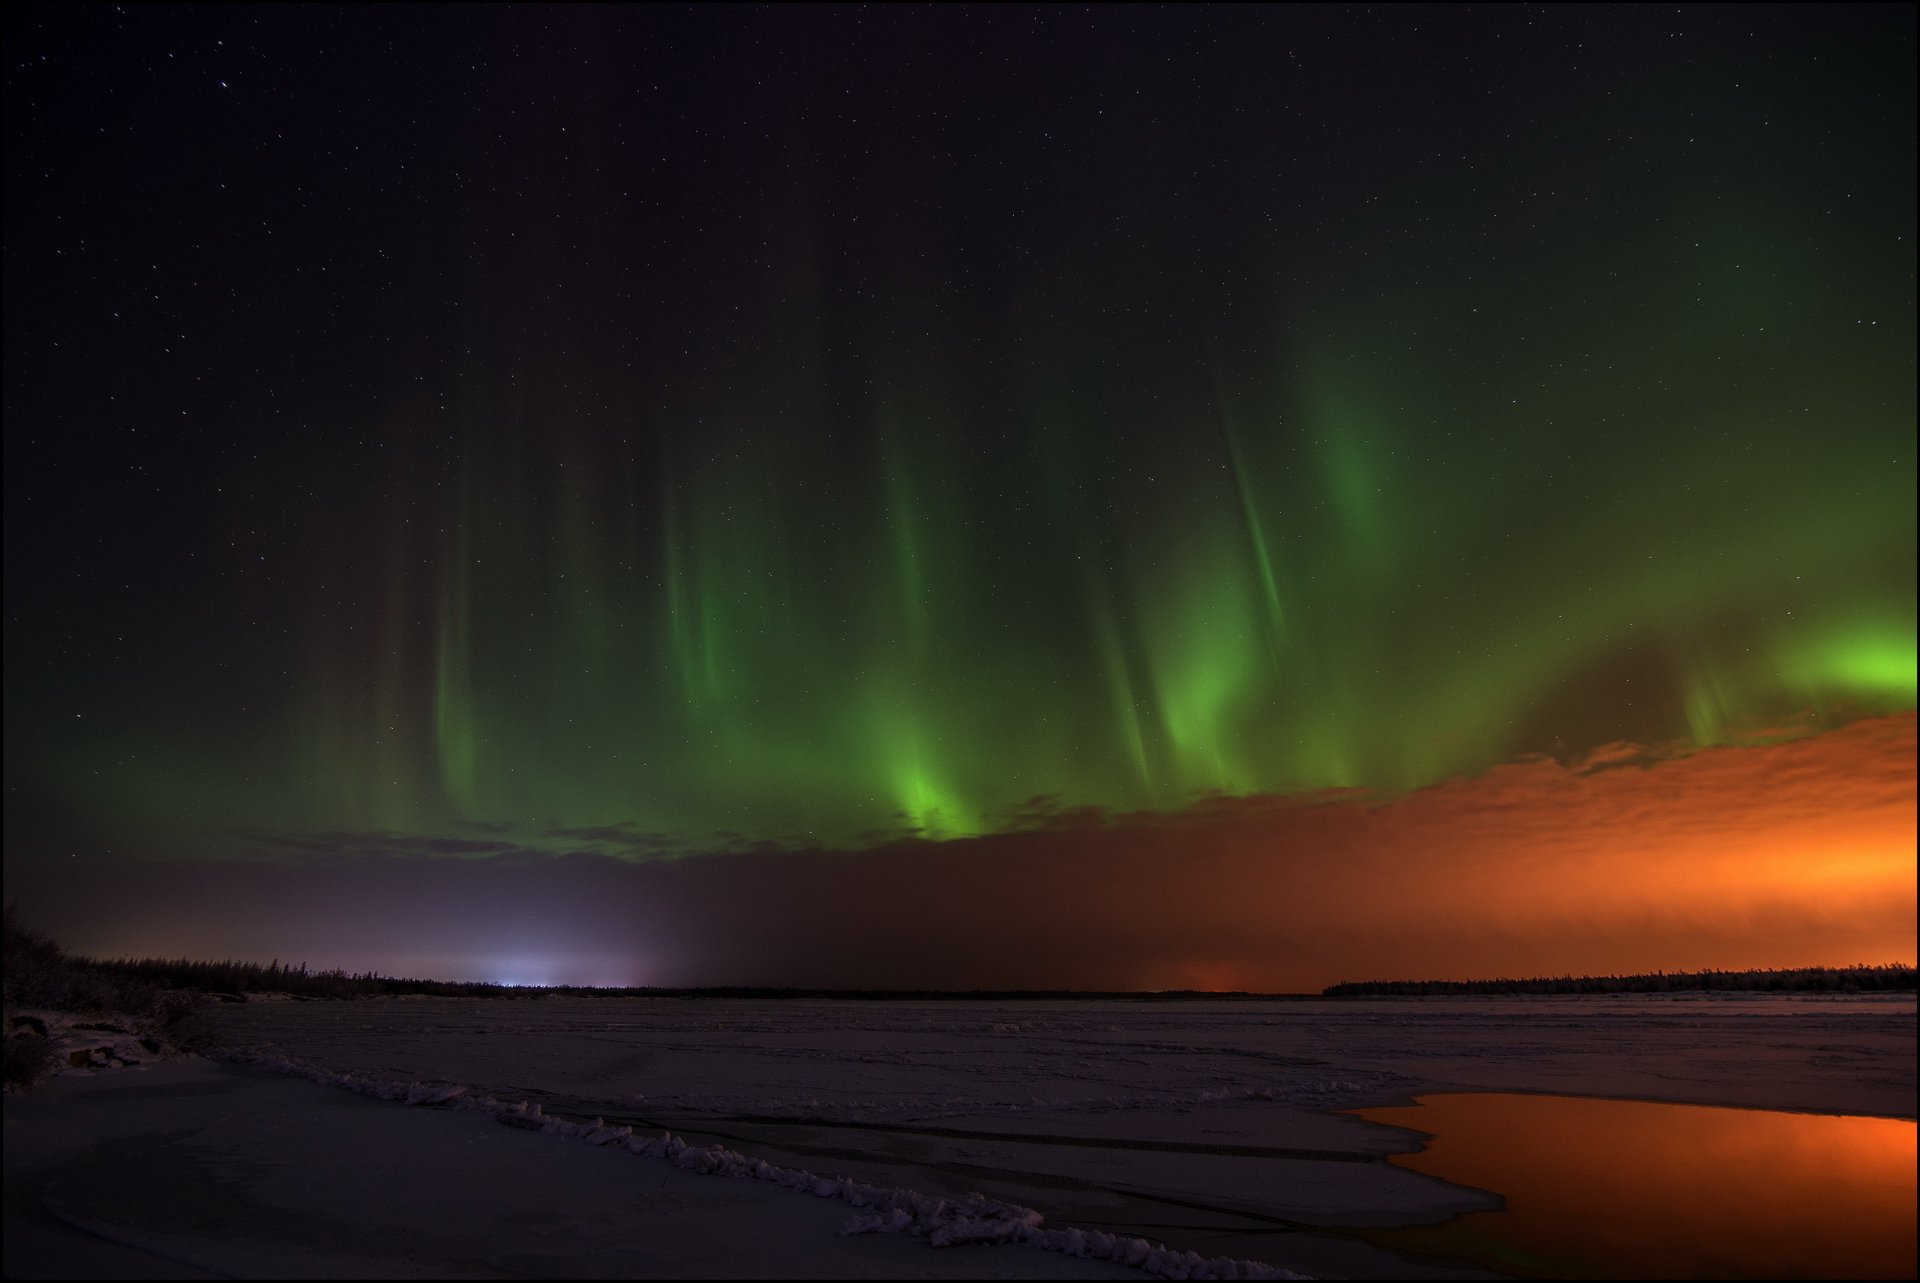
x=230 y=976
x=1860 y=978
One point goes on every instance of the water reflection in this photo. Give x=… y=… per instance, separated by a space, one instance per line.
x=1631 y=1189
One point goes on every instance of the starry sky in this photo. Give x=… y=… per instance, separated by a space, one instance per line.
x=1119 y=496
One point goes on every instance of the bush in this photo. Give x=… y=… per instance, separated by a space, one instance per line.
x=40 y=974
x=174 y=1018
x=29 y=1058
x=35 y=967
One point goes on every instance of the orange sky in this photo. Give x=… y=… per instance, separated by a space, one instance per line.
x=1787 y=854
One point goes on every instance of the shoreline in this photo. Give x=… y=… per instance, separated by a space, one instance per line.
x=1225 y=1132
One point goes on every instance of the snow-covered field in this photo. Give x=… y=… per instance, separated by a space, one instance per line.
x=1203 y=1126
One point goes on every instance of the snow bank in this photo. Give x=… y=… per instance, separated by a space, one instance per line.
x=942 y=1222
x=83 y=1044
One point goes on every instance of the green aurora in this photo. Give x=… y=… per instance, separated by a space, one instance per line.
x=1338 y=589
x=902 y=494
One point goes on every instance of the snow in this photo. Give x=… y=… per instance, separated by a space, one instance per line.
x=942 y=1222
x=886 y=1061
x=1165 y=1139
x=90 y=1043
x=199 y=1169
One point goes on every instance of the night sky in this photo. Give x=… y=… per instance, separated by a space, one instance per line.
x=1119 y=497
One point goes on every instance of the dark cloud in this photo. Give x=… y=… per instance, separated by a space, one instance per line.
x=623 y=837
x=380 y=843
x=1786 y=853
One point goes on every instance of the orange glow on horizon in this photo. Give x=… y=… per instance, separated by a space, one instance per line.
x=1790 y=854
x=1787 y=854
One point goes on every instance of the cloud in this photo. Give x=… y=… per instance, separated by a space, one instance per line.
x=623 y=838
x=379 y=842
x=1782 y=853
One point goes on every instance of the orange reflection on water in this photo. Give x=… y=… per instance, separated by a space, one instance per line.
x=1632 y=1189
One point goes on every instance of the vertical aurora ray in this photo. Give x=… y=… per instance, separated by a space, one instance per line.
x=921 y=638
x=694 y=678
x=757 y=483
x=1351 y=447
x=914 y=671
x=456 y=734
x=1256 y=532
x=1132 y=715
x=902 y=515
x=1206 y=658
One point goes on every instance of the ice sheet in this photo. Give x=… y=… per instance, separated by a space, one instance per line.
x=1203 y=1125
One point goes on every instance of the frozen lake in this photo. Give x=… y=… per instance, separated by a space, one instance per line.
x=1205 y=1125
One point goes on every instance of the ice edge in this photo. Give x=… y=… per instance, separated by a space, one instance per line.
x=943 y=1222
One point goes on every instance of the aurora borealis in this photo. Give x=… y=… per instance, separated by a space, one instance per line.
x=824 y=440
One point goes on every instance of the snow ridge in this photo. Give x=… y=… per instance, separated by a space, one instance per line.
x=943 y=1222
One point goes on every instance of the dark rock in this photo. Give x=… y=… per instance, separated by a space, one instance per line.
x=30 y=1024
